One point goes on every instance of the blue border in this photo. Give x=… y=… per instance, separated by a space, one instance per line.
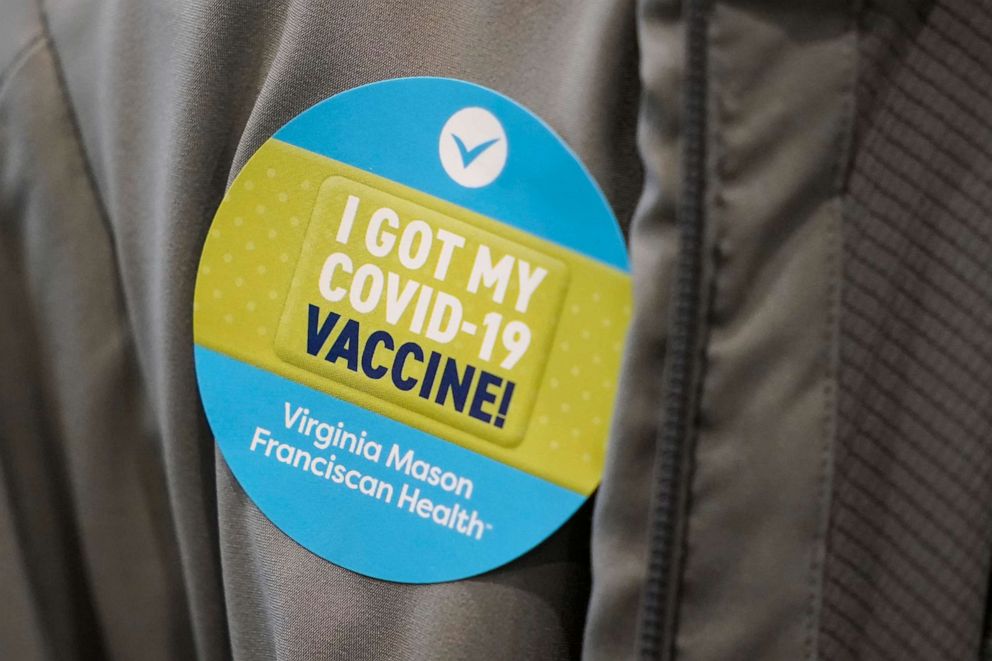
x=391 y=128
x=356 y=531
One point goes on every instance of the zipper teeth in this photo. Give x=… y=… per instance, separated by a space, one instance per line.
x=658 y=610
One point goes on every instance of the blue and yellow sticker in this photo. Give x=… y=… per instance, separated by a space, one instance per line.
x=408 y=322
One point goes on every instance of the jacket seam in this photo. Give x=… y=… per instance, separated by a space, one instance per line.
x=833 y=260
x=23 y=54
x=72 y=117
x=77 y=135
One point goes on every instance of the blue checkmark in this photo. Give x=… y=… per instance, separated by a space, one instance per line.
x=469 y=155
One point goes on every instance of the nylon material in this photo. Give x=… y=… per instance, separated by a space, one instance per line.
x=156 y=176
x=20 y=28
x=37 y=528
x=33 y=575
x=428 y=621
x=780 y=81
x=20 y=631
x=622 y=510
x=120 y=593
x=171 y=103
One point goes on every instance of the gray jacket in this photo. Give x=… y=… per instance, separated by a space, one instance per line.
x=800 y=465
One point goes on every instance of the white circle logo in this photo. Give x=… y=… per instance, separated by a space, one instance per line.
x=473 y=147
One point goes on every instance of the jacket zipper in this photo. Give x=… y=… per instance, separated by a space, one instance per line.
x=658 y=607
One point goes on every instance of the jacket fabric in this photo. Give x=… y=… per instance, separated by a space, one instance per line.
x=799 y=465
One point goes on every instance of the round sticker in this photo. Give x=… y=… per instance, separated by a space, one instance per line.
x=408 y=322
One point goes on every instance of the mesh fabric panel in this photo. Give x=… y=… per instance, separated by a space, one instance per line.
x=910 y=532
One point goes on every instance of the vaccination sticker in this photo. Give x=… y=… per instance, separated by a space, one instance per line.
x=408 y=322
